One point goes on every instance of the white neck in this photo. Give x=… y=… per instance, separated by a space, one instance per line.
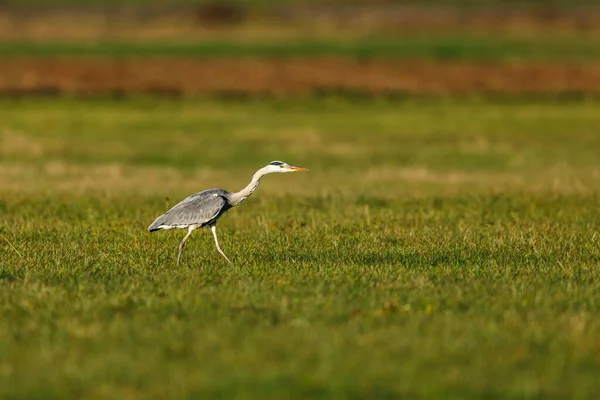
x=237 y=198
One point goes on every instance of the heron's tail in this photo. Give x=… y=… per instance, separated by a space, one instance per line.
x=157 y=224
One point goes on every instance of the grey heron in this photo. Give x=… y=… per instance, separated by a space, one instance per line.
x=203 y=209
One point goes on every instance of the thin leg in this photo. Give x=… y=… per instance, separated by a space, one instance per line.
x=214 y=231
x=182 y=244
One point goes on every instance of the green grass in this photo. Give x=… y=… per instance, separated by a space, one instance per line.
x=457 y=47
x=436 y=249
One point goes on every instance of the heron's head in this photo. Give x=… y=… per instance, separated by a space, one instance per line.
x=280 y=167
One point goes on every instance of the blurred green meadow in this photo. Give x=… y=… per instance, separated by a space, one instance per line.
x=565 y=49
x=438 y=248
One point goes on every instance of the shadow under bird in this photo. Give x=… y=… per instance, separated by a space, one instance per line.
x=205 y=208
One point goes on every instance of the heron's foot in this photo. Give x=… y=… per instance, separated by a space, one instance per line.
x=181 y=246
x=223 y=254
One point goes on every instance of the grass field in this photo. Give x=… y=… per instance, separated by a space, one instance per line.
x=442 y=248
x=459 y=47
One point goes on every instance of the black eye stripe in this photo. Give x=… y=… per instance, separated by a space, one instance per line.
x=279 y=163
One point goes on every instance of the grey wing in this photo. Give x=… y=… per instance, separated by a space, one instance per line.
x=198 y=209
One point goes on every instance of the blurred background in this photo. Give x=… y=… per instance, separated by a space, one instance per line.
x=292 y=47
x=426 y=90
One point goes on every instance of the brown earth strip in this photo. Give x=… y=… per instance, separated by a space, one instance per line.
x=264 y=76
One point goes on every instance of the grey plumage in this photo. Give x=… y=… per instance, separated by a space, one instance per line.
x=200 y=209
x=206 y=207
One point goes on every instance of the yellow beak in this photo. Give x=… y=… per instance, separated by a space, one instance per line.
x=298 y=169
